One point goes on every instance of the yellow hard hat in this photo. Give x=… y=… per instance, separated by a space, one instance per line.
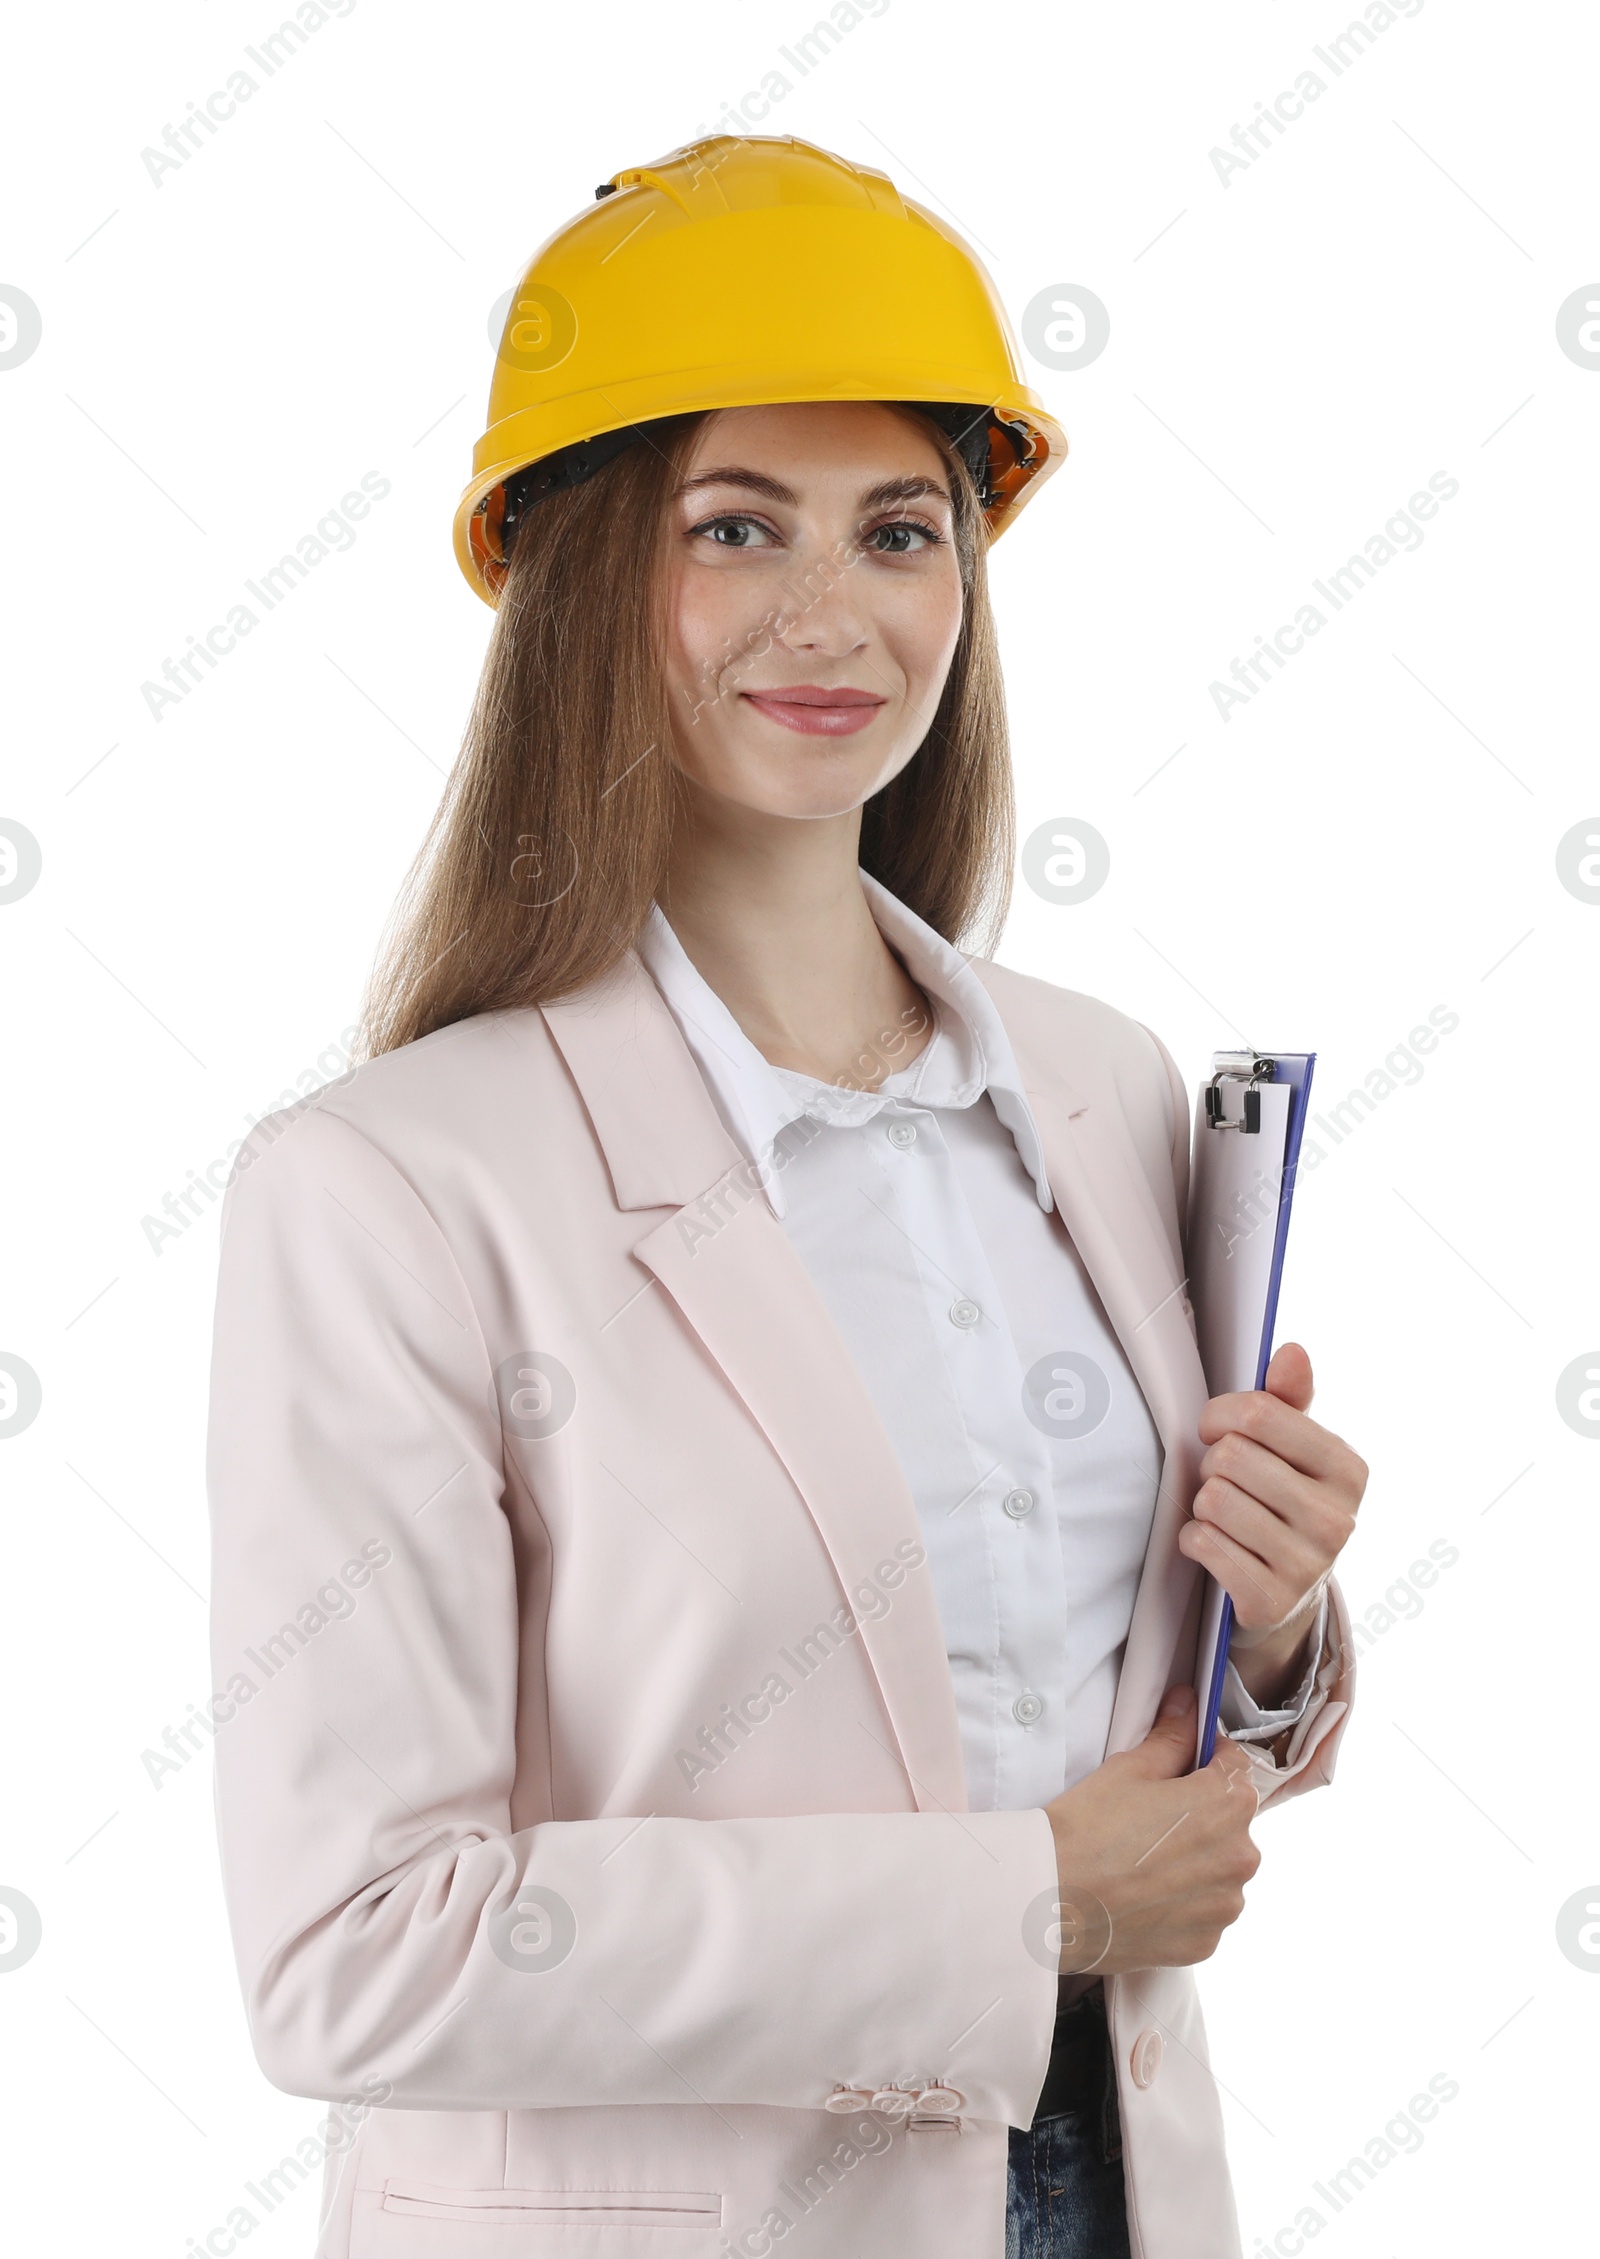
x=733 y=273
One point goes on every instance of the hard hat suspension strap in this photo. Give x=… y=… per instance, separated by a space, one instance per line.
x=967 y=428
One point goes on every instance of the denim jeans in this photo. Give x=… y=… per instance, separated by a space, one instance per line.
x=1065 y=2197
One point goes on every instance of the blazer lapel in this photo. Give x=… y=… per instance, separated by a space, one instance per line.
x=731 y=1269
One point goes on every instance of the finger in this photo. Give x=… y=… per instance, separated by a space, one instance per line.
x=1284 y=1547
x=1259 y=1596
x=1251 y=1467
x=1317 y=1516
x=1167 y=1750
x=1315 y=1450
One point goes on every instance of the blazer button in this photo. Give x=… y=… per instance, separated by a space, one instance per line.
x=844 y=2099
x=940 y=2098
x=894 y=2101
x=1146 y=2058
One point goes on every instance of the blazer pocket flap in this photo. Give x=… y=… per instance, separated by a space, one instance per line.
x=555 y=2207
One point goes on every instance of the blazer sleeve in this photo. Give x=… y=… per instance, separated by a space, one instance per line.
x=390 y=1924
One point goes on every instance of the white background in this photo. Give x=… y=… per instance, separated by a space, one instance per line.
x=1292 y=355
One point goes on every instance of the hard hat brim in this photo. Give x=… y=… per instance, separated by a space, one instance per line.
x=532 y=433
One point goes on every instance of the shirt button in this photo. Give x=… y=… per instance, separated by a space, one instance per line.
x=1017 y=1503
x=902 y=1134
x=965 y=1315
x=1027 y=1709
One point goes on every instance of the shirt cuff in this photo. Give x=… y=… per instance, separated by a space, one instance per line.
x=1242 y=1718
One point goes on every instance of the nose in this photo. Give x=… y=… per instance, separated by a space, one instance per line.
x=820 y=614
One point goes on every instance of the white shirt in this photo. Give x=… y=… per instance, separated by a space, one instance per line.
x=922 y=1211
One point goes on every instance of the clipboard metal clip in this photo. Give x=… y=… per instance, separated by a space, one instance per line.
x=1248 y=1067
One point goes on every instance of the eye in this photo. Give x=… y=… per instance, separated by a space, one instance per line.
x=735 y=533
x=903 y=537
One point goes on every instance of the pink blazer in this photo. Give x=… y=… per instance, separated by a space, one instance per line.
x=538 y=1467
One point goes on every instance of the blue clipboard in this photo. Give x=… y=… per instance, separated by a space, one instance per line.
x=1249 y=1118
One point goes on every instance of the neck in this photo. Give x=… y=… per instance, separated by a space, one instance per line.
x=771 y=912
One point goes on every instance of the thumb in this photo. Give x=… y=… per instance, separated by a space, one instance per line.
x=1288 y=1377
x=1168 y=1748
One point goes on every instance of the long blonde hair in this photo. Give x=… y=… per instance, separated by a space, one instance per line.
x=551 y=839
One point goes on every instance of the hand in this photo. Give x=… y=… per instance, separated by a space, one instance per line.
x=1275 y=1507
x=1152 y=1858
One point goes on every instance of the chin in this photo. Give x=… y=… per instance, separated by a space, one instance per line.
x=810 y=810
x=803 y=804
x=807 y=786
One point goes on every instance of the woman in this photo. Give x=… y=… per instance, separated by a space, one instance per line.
x=706 y=1420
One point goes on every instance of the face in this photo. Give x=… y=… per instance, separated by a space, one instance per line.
x=814 y=602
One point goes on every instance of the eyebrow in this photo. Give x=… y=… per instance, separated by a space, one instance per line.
x=875 y=498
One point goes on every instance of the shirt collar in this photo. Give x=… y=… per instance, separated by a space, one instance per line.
x=969 y=1052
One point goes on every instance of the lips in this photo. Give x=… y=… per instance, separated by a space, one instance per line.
x=816 y=710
